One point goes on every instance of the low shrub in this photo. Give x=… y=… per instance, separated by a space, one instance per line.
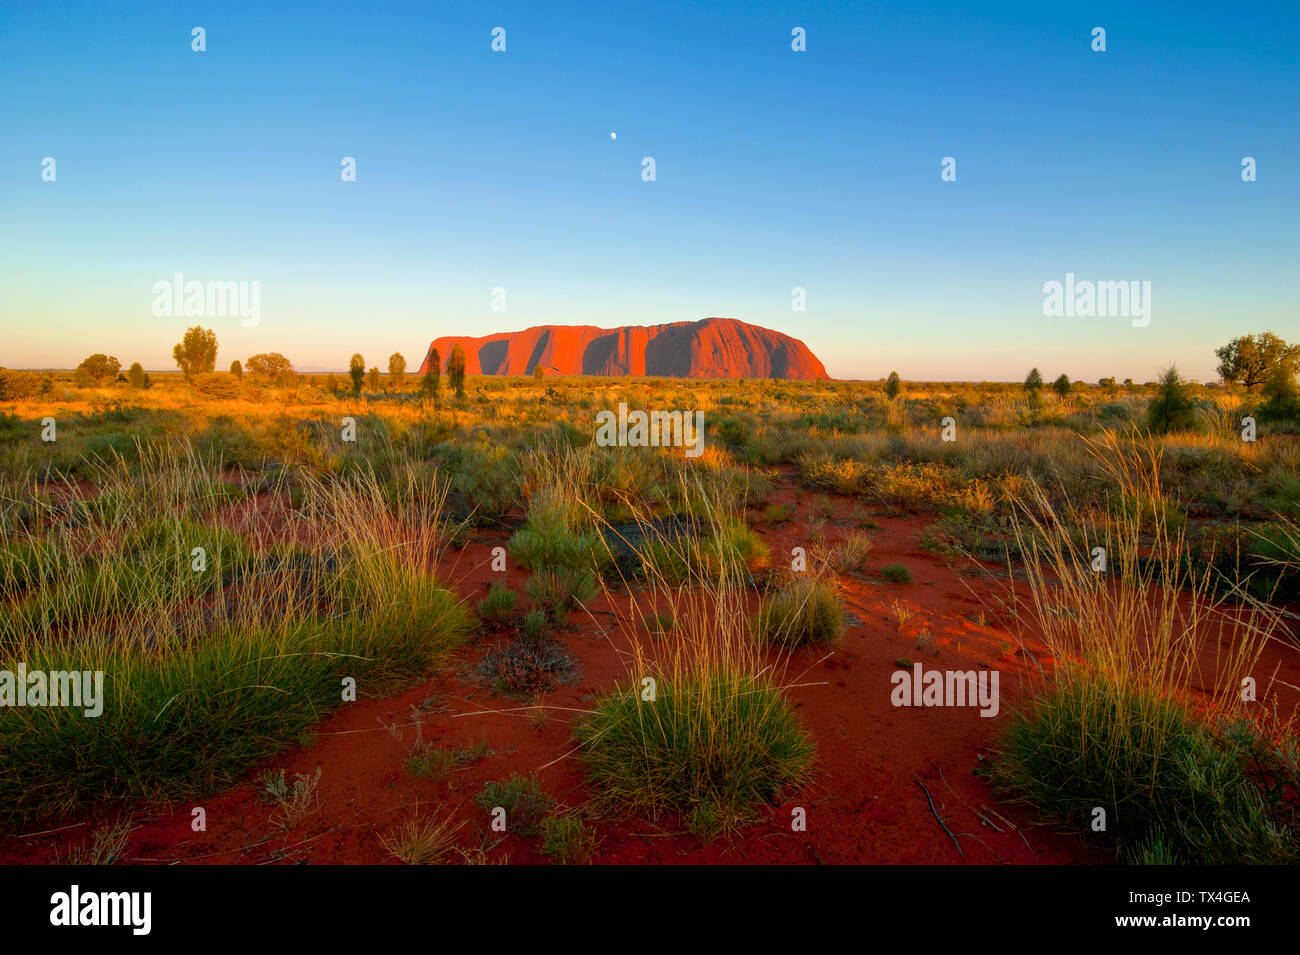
x=728 y=742
x=807 y=611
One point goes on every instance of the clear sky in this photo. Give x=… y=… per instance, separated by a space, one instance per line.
x=775 y=169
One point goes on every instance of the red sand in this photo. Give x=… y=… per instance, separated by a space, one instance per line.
x=864 y=805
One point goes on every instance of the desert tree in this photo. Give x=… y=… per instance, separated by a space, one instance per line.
x=196 y=352
x=456 y=370
x=1062 y=386
x=237 y=369
x=272 y=367
x=135 y=375
x=357 y=372
x=431 y=383
x=1281 y=395
x=1034 y=381
x=1249 y=360
x=1172 y=408
x=893 y=385
x=99 y=369
x=372 y=379
x=396 y=370
x=24 y=384
x=538 y=375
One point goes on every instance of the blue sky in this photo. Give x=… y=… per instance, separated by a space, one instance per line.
x=774 y=169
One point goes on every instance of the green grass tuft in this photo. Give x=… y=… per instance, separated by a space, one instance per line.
x=728 y=743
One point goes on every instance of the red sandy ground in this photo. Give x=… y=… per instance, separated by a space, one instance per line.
x=863 y=806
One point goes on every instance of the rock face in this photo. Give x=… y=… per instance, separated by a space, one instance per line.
x=711 y=348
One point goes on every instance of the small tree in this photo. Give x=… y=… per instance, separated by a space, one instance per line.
x=431 y=383
x=1033 y=381
x=100 y=369
x=357 y=372
x=15 y=385
x=1250 y=360
x=396 y=370
x=331 y=383
x=456 y=370
x=272 y=367
x=1172 y=408
x=135 y=375
x=893 y=385
x=537 y=372
x=237 y=370
x=372 y=379
x=196 y=353
x=1281 y=396
x=1062 y=386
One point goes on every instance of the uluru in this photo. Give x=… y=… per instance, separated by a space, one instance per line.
x=709 y=348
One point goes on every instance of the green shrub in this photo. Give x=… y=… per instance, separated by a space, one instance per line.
x=728 y=546
x=16 y=385
x=495 y=609
x=1172 y=408
x=567 y=840
x=185 y=720
x=534 y=625
x=1281 y=396
x=522 y=799
x=896 y=574
x=805 y=612
x=1171 y=786
x=560 y=591
x=724 y=741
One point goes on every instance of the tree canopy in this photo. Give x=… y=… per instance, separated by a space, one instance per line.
x=271 y=366
x=1249 y=360
x=99 y=368
x=196 y=352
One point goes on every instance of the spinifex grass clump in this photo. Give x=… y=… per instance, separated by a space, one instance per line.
x=497 y=607
x=202 y=681
x=806 y=611
x=559 y=534
x=725 y=740
x=559 y=591
x=422 y=841
x=1160 y=774
x=1114 y=725
x=702 y=722
x=725 y=543
x=523 y=800
x=567 y=840
x=896 y=574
